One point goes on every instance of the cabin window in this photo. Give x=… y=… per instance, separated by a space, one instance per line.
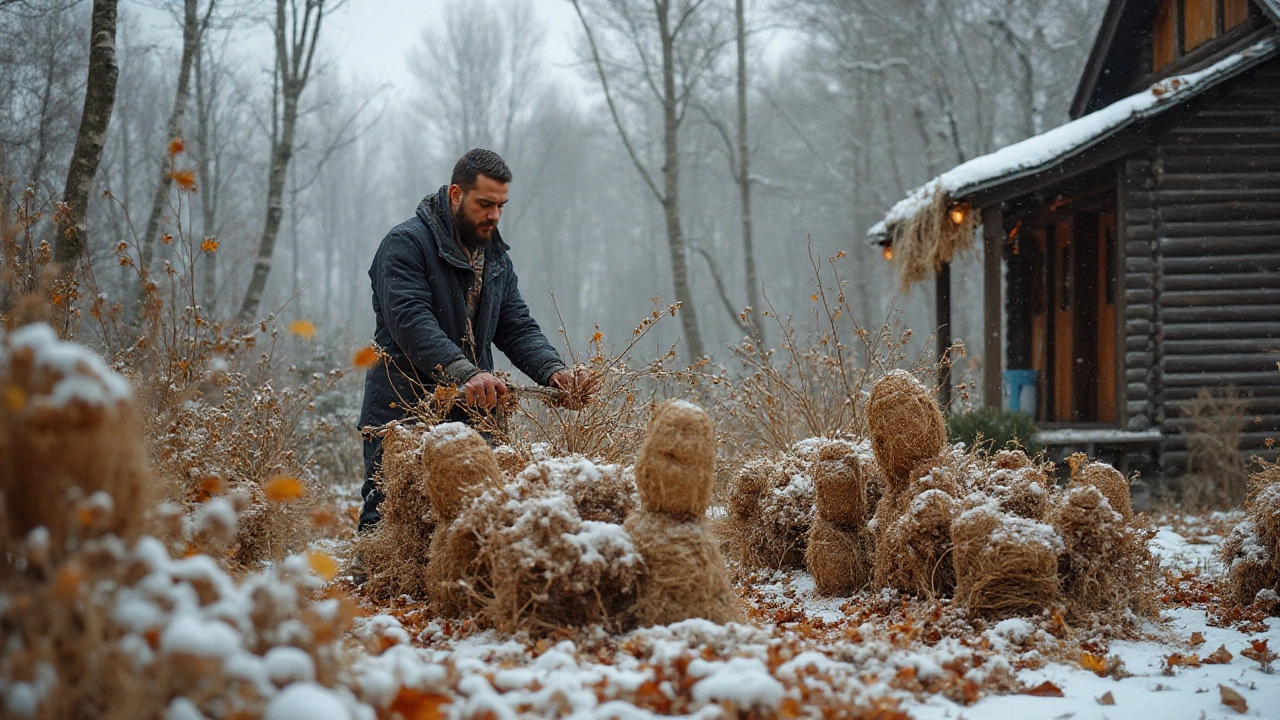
x=1181 y=26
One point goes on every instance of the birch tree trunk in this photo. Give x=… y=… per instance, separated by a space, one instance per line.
x=751 y=279
x=99 y=99
x=294 y=56
x=190 y=45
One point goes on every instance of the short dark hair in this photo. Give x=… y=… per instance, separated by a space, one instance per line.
x=479 y=162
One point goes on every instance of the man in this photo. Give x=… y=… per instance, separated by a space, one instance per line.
x=444 y=290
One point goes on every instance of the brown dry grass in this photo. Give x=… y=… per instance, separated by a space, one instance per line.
x=1216 y=476
x=1005 y=565
x=922 y=243
x=839 y=482
x=913 y=553
x=1252 y=550
x=772 y=505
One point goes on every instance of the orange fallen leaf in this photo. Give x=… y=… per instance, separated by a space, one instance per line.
x=1107 y=699
x=303 y=328
x=1196 y=639
x=322 y=564
x=365 y=358
x=15 y=398
x=283 y=489
x=66 y=585
x=1233 y=699
x=1044 y=689
x=416 y=705
x=1093 y=664
x=1221 y=656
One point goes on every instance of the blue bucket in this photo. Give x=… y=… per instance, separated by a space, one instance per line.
x=1020 y=390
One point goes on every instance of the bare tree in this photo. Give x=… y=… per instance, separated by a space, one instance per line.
x=296 y=29
x=661 y=50
x=194 y=24
x=100 y=97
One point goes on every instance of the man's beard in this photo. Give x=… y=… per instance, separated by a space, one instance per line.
x=469 y=233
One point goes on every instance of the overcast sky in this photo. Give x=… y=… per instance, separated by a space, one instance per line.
x=369 y=39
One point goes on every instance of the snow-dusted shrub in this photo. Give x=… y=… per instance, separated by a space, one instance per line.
x=396 y=550
x=1005 y=564
x=771 y=504
x=1252 y=551
x=1110 y=482
x=840 y=549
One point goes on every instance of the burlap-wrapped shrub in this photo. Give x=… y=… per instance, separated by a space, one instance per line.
x=1110 y=482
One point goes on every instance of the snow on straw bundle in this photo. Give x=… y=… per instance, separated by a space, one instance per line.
x=601 y=493
x=1249 y=564
x=1106 y=566
x=905 y=423
x=69 y=440
x=458 y=465
x=770 y=531
x=1026 y=491
x=931 y=237
x=839 y=483
x=1109 y=481
x=686 y=576
x=676 y=469
x=914 y=553
x=1005 y=565
x=395 y=552
x=547 y=568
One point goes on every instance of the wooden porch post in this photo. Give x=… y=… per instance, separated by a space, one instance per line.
x=942 y=316
x=992 y=306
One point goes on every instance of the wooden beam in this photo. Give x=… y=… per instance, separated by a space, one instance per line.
x=992 y=307
x=942 y=317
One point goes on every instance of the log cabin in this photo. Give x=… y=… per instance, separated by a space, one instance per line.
x=1132 y=255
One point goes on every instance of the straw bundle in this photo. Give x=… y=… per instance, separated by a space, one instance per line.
x=839 y=482
x=69 y=438
x=931 y=237
x=771 y=507
x=396 y=550
x=538 y=566
x=685 y=574
x=913 y=554
x=458 y=465
x=905 y=423
x=601 y=493
x=1109 y=481
x=1026 y=491
x=1249 y=564
x=1005 y=565
x=676 y=469
x=841 y=559
x=1106 y=565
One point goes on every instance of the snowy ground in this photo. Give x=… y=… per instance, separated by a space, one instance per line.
x=804 y=656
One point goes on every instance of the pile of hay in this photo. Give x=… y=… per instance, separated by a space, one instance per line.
x=840 y=553
x=1106 y=566
x=1252 y=551
x=770 y=504
x=685 y=575
x=931 y=237
x=395 y=552
x=1004 y=564
x=1110 y=482
x=1020 y=486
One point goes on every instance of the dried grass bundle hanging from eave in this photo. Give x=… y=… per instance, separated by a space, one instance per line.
x=926 y=240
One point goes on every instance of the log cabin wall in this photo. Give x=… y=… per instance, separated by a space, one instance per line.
x=1200 y=216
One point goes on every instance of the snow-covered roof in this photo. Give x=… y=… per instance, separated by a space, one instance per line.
x=1038 y=153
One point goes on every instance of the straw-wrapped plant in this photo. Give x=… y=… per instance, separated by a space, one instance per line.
x=840 y=550
x=1106 y=566
x=1252 y=551
x=1004 y=564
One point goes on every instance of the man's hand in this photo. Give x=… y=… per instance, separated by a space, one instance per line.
x=578 y=384
x=484 y=389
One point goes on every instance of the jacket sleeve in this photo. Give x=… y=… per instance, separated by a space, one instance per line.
x=400 y=280
x=519 y=337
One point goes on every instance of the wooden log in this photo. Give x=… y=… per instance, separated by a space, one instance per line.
x=1223 y=346
x=1192 y=298
x=1200 y=379
x=1221 y=362
x=1218 y=180
x=1220 y=330
x=1222 y=281
x=1247 y=232
x=1198 y=264
x=1221 y=313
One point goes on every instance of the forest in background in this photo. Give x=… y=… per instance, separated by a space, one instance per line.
x=865 y=100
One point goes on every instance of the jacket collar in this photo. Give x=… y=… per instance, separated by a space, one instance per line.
x=435 y=213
